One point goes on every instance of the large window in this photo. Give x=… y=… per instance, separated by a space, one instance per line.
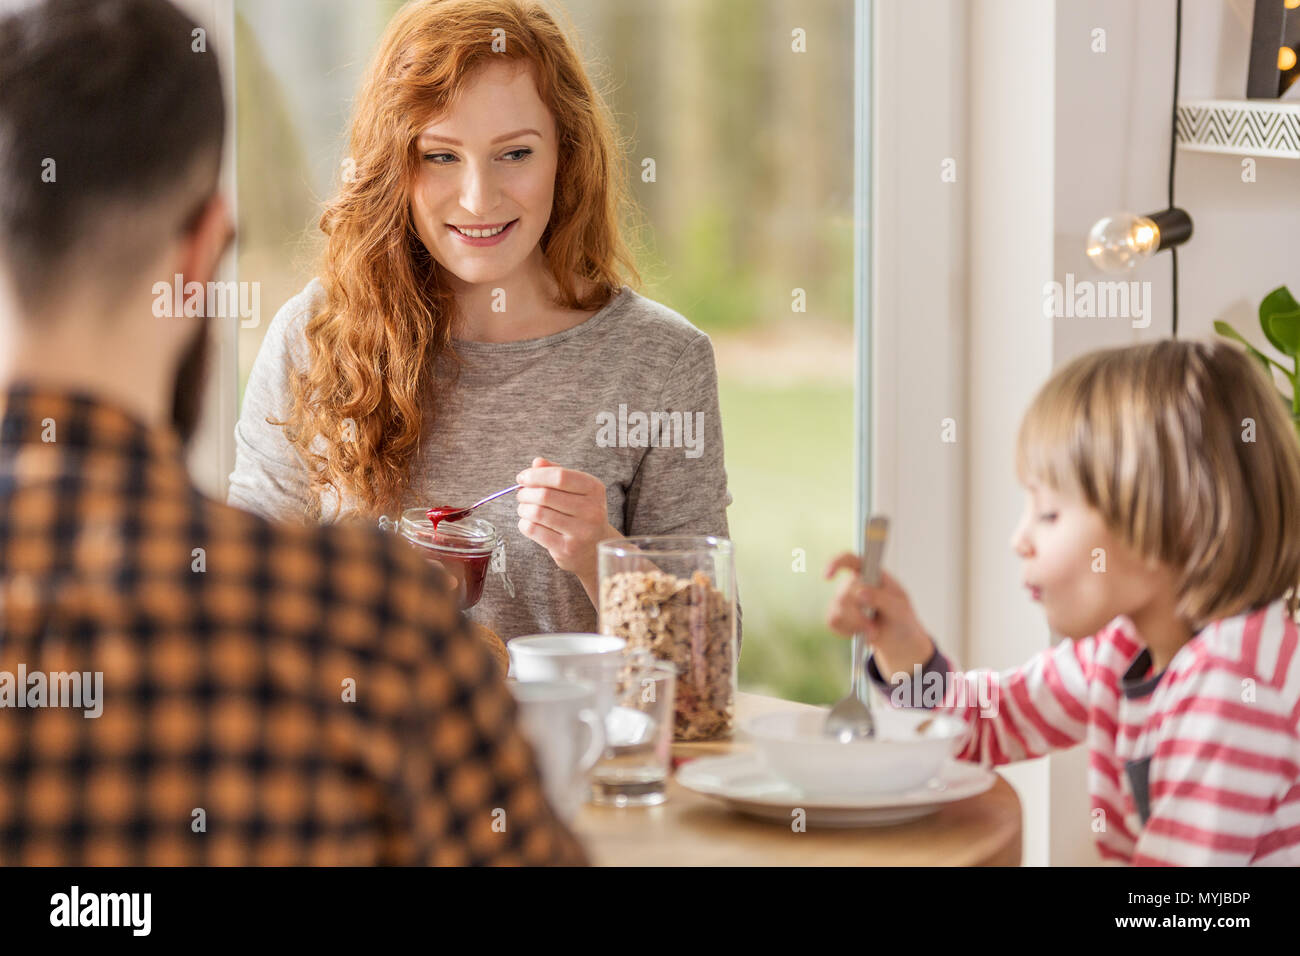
x=747 y=110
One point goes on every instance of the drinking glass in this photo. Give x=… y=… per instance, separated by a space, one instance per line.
x=633 y=695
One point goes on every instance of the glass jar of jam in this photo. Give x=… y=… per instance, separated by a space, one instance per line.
x=464 y=548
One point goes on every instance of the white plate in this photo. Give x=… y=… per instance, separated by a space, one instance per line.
x=746 y=786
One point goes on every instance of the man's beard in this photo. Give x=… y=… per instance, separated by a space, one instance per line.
x=187 y=393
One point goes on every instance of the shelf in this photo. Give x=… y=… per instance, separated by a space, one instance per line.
x=1240 y=127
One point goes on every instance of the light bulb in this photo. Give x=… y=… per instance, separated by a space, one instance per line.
x=1285 y=58
x=1118 y=242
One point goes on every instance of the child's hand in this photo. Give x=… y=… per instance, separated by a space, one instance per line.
x=893 y=631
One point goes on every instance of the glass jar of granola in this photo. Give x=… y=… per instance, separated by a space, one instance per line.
x=675 y=596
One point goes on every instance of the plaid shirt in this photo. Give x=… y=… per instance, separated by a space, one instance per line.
x=271 y=694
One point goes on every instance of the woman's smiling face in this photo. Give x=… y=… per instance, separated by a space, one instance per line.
x=488 y=162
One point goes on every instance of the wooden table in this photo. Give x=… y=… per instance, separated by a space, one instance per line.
x=692 y=830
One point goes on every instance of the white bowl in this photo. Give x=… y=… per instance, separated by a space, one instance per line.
x=791 y=744
x=546 y=656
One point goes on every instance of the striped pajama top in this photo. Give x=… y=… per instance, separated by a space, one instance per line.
x=1197 y=765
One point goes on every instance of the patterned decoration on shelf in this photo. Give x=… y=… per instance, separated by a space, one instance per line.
x=1243 y=127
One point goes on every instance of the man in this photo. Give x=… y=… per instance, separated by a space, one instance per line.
x=182 y=682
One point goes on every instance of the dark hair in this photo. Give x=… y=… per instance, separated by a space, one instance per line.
x=132 y=116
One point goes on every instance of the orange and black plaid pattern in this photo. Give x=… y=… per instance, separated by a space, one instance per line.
x=271 y=694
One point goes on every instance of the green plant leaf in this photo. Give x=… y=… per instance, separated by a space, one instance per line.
x=1285 y=327
x=1279 y=300
x=1228 y=332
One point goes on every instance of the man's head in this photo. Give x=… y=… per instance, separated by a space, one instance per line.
x=111 y=127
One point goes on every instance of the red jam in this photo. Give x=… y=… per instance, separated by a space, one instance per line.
x=445 y=513
x=462 y=545
x=469 y=570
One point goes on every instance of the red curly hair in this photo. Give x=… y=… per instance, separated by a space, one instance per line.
x=388 y=313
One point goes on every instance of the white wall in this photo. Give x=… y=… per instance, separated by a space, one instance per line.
x=1012 y=76
x=957 y=274
x=919 y=302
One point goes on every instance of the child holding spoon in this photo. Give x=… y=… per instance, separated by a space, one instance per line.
x=1161 y=534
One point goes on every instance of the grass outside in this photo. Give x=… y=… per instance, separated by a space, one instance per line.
x=789 y=453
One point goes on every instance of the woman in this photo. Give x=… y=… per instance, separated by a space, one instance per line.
x=470 y=328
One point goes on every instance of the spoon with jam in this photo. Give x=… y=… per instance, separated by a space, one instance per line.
x=450 y=513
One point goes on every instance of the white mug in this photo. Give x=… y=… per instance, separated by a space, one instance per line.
x=560 y=721
x=546 y=656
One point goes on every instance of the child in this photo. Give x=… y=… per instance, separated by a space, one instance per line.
x=1162 y=536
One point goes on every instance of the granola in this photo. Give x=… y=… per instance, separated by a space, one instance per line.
x=687 y=622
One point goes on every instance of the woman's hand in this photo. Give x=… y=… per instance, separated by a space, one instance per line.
x=565 y=511
x=893 y=631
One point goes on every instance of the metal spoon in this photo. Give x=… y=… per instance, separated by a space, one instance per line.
x=851 y=719
x=447 y=513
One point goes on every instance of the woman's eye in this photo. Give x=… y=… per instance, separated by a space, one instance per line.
x=515 y=156
x=1048 y=516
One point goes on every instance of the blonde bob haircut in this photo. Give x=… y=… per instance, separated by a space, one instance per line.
x=1189 y=454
